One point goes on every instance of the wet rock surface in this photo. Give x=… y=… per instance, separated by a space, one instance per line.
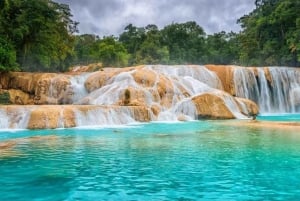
x=147 y=93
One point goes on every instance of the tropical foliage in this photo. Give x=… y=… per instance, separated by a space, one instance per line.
x=38 y=35
x=40 y=32
x=271 y=33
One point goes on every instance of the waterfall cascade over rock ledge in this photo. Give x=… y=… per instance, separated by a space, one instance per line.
x=116 y=96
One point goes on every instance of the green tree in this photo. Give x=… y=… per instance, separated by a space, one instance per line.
x=151 y=50
x=222 y=48
x=110 y=52
x=7 y=56
x=132 y=39
x=83 y=49
x=185 y=41
x=41 y=32
x=270 y=34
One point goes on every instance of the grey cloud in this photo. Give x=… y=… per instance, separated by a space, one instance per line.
x=109 y=17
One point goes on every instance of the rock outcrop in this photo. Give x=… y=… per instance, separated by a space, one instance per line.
x=51 y=117
x=211 y=106
x=247 y=107
x=66 y=116
x=36 y=88
x=223 y=106
x=125 y=95
x=226 y=75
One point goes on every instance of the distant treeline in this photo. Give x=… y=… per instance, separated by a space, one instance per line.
x=39 y=35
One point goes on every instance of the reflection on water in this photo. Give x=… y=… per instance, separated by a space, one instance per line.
x=184 y=161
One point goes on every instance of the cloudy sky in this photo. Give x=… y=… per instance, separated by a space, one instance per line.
x=109 y=17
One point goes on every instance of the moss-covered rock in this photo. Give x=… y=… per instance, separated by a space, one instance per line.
x=4 y=97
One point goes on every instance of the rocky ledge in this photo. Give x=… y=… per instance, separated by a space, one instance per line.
x=120 y=96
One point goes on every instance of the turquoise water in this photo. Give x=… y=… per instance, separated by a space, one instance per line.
x=201 y=160
x=280 y=117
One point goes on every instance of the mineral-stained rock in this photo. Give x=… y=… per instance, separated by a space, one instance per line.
x=27 y=82
x=19 y=97
x=89 y=68
x=100 y=78
x=52 y=89
x=225 y=74
x=247 y=107
x=211 y=106
x=7 y=145
x=56 y=116
x=268 y=76
x=51 y=117
x=155 y=109
x=36 y=88
x=97 y=80
x=145 y=78
x=4 y=81
x=216 y=106
x=142 y=93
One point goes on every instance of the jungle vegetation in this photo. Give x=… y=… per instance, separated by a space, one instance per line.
x=40 y=35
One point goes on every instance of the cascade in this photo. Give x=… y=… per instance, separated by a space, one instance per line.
x=67 y=89
x=110 y=115
x=58 y=92
x=14 y=118
x=105 y=116
x=264 y=93
x=116 y=96
x=274 y=89
x=169 y=88
x=77 y=87
x=246 y=85
x=200 y=73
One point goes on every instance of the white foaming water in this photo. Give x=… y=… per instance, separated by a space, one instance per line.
x=281 y=94
x=111 y=93
x=14 y=119
x=105 y=116
x=233 y=107
x=200 y=73
x=4 y=120
x=182 y=83
x=245 y=84
x=167 y=93
x=78 y=88
x=67 y=93
x=264 y=92
x=58 y=92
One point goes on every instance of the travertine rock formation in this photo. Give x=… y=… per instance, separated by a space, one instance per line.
x=147 y=93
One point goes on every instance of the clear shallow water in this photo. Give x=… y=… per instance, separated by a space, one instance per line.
x=183 y=161
x=280 y=117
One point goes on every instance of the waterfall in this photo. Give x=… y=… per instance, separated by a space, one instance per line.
x=170 y=85
x=200 y=73
x=4 y=120
x=67 y=89
x=77 y=87
x=117 y=96
x=246 y=85
x=279 y=93
x=105 y=116
x=14 y=118
x=264 y=92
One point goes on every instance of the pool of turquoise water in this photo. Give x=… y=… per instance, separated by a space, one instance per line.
x=280 y=117
x=201 y=160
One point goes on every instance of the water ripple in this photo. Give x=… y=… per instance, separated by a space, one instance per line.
x=193 y=163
